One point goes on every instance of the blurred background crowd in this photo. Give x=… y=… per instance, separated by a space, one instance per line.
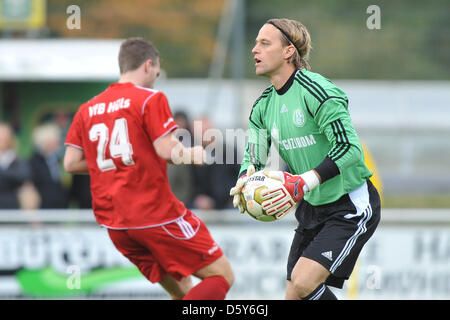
x=39 y=182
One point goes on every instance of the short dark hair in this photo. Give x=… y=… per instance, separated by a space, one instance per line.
x=135 y=51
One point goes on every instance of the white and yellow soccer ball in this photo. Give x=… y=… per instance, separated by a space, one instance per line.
x=251 y=195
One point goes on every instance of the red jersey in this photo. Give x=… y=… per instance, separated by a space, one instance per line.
x=116 y=130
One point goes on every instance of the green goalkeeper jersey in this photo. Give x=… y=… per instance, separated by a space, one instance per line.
x=308 y=122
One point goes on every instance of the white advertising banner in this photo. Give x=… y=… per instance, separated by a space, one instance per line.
x=401 y=261
x=407 y=262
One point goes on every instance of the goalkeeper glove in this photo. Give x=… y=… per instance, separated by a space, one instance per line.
x=235 y=192
x=279 y=200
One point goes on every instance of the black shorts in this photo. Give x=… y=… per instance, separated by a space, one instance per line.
x=336 y=240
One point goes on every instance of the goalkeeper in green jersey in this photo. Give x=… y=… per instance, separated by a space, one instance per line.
x=306 y=117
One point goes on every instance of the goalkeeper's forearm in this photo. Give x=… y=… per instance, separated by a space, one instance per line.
x=326 y=170
x=312 y=179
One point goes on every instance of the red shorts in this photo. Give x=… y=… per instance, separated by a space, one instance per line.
x=179 y=248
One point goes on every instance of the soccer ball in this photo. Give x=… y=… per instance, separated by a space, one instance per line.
x=251 y=195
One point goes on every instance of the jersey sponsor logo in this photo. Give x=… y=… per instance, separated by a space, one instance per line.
x=299 y=118
x=96 y=109
x=100 y=108
x=298 y=142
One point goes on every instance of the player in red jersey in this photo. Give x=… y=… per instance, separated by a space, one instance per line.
x=124 y=138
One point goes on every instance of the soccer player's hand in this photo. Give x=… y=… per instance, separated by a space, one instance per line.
x=235 y=192
x=279 y=200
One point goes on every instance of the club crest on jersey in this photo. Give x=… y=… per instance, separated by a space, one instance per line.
x=299 y=118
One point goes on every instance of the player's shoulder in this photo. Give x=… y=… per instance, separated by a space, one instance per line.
x=317 y=86
x=86 y=105
x=129 y=90
x=264 y=97
x=150 y=95
x=146 y=91
x=94 y=102
x=140 y=95
x=117 y=93
x=256 y=117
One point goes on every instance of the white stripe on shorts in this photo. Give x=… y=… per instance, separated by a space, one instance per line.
x=360 y=199
x=186 y=228
x=318 y=293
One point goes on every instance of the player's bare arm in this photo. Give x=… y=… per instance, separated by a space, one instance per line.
x=172 y=150
x=74 y=161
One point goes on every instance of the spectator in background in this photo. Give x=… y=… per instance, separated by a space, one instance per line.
x=80 y=186
x=181 y=118
x=45 y=167
x=212 y=180
x=181 y=178
x=13 y=171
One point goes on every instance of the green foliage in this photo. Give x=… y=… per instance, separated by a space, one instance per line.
x=413 y=42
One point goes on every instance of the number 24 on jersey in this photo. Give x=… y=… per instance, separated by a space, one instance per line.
x=119 y=146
